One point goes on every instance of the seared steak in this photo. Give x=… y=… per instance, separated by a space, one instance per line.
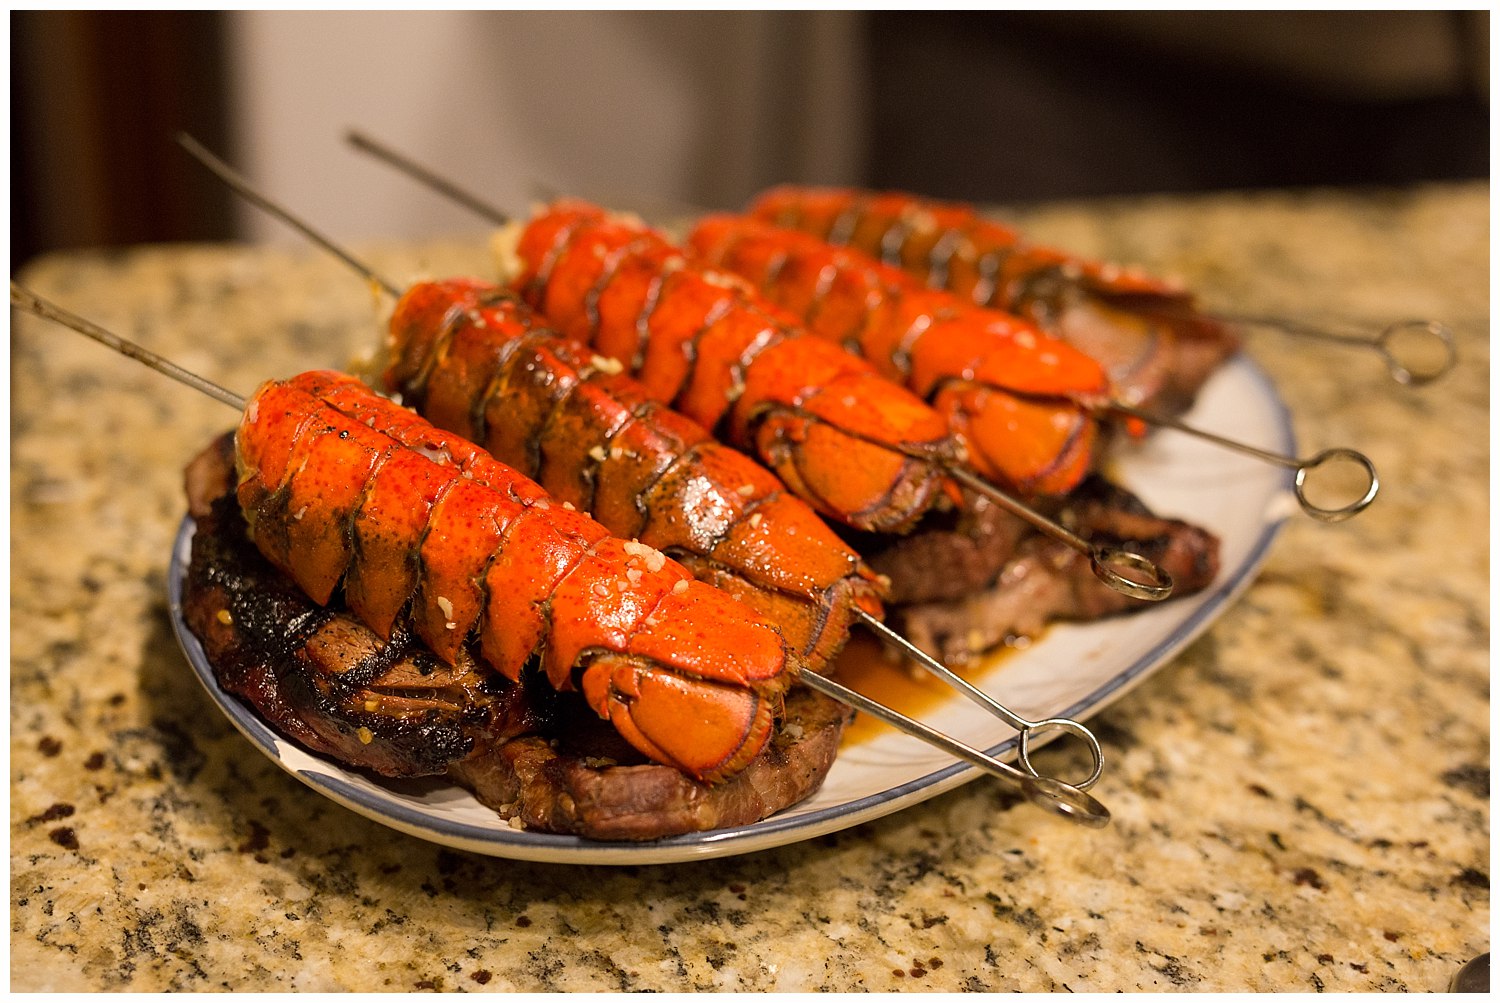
x=557 y=789
x=964 y=583
x=316 y=674
x=950 y=555
x=320 y=677
x=1156 y=354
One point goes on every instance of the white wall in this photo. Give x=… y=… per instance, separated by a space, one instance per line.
x=639 y=110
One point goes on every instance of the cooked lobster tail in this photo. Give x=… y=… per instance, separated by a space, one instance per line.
x=340 y=485
x=1024 y=401
x=860 y=449
x=475 y=361
x=1149 y=334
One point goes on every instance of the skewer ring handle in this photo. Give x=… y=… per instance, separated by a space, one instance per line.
x=1072 y=727
x=1153 y=583
x=1353 y=508
x=1430 y=334
x=1065 y=800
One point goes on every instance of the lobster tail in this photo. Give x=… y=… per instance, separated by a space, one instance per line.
x=856 y=447
x=494 y=559
x=477 y=362
x=1154 y=343
x=1019 y=398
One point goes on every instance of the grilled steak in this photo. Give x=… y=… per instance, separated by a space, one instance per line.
x=320 y=677
x=316 y=674
x=964 y=584
x=563 y=790
x=1156 y=358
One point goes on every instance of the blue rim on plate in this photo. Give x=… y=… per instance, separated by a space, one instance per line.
x=1176 y=476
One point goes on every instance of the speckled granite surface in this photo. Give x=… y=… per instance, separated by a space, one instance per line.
x=1300 y=799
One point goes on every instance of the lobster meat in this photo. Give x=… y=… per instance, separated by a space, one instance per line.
x=857 y=447
x=1026 y=403
x=340 y=485
x=1153 y=342
x=473 y=360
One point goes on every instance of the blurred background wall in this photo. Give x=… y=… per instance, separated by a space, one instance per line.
x=671 y=111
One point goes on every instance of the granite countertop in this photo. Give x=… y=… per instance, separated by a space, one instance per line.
x=1300 y=798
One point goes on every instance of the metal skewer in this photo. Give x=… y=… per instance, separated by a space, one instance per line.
x=1053 y=793
x=1055 y=796
x=1303 y=468
x=1415 y=352
x=1417 y=342
x=1107 y=565
x=1061 y=799
x=29 y=301
x=1122 y=570
x=1025 y=728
